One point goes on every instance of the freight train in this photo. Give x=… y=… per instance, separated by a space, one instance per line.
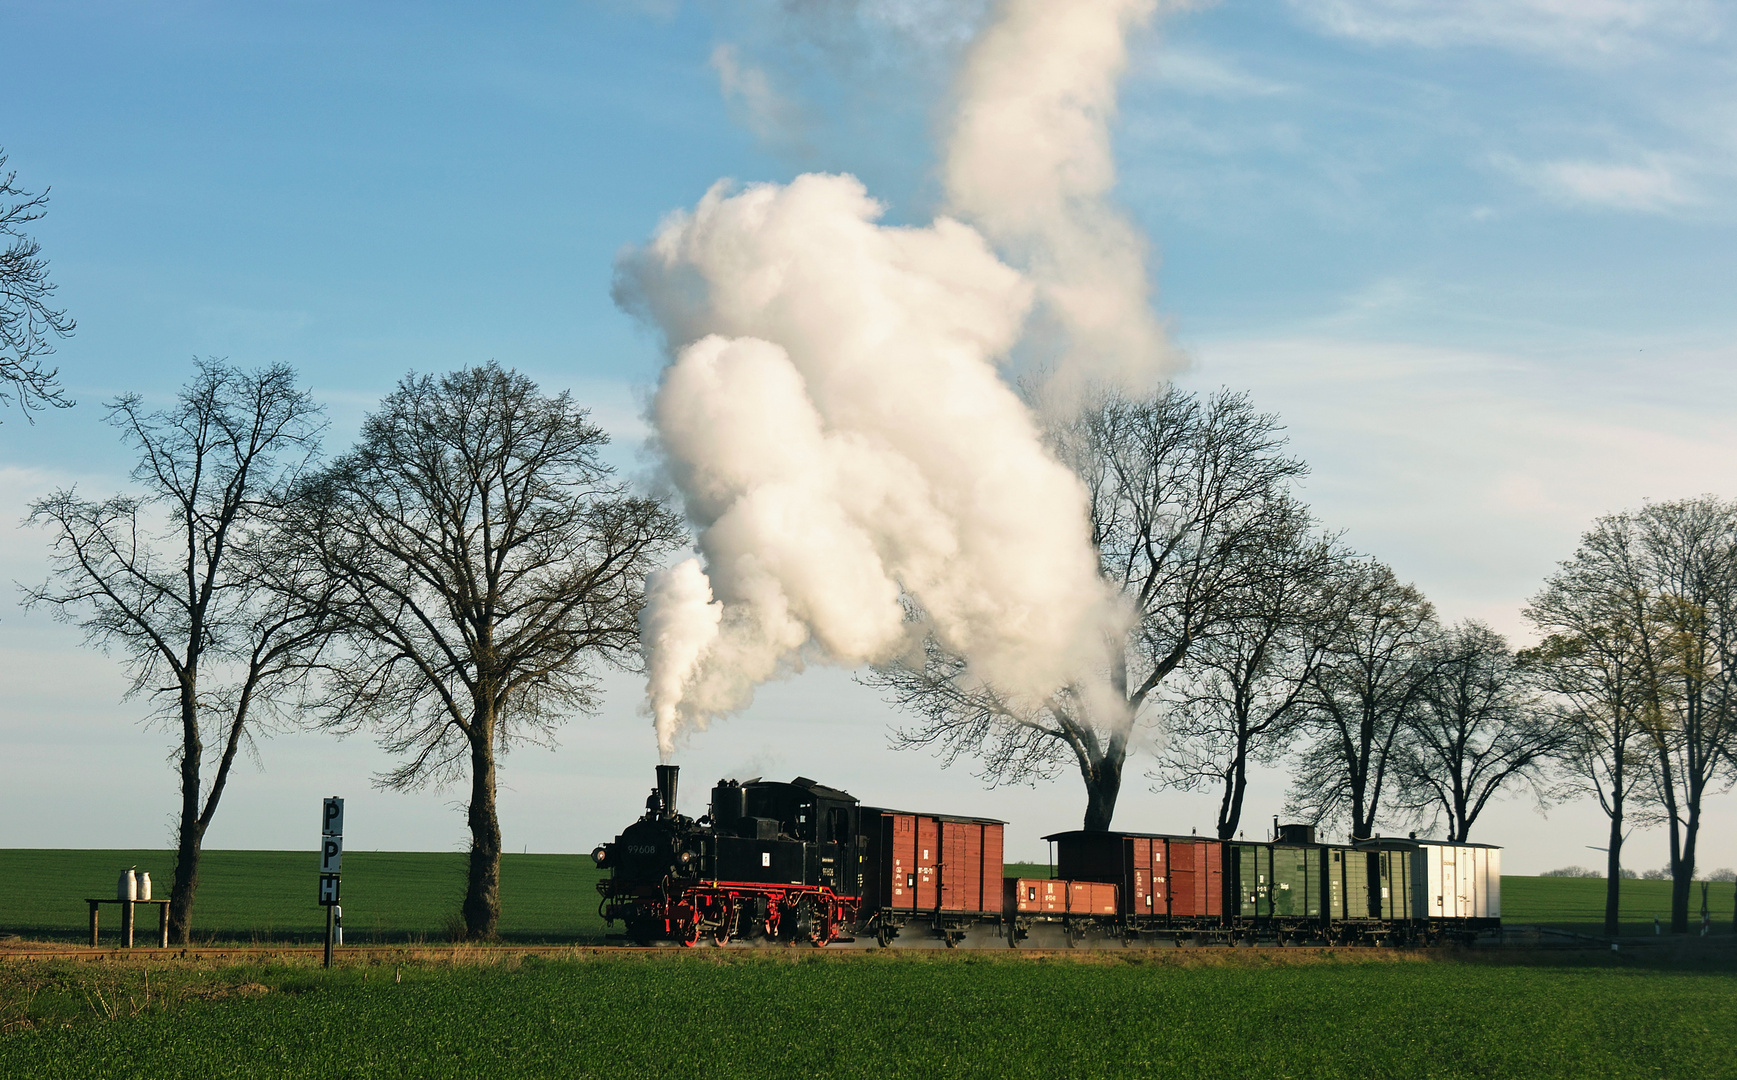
x=801 y=862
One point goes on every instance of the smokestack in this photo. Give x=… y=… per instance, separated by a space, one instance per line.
x=666 y=787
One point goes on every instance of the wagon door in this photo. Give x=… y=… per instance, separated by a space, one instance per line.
x=902 y=872
x=1137 y=897
x=1209 y=878
x=959 y=866
x=992 y=864
x=925 y=858
x=1182 y=878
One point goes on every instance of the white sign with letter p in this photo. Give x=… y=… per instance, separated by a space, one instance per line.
x=331 y=854
x=332 y=817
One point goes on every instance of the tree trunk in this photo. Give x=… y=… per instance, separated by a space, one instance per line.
x=1103 y=784
x=190 y=834
x=1683 y=870
x=482 y=897
x=1613 y=878
x=1230 y=809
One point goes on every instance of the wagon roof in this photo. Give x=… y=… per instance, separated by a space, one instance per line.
x=822 y=791
x=1129 y=835
x=937 y=817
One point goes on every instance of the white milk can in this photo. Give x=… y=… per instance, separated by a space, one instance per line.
x=127 y=888
x=142 y=879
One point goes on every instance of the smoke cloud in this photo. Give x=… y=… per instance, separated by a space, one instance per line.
x=1029 y=162
x=858 y=472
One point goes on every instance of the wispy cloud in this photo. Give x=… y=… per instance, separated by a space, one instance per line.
x=1195 y=72
x=1576 y=31
x=1650 y=185
x=748 y=89
x=1474 y=471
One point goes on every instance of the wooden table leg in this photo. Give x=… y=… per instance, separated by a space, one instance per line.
x=162 y=926
x=93 y=923
x=127 y=907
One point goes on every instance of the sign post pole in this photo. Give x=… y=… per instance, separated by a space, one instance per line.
x=331 y=861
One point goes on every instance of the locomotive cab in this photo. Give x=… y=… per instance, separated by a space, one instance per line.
x=796 y=833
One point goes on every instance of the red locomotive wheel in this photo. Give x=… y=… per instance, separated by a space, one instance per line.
x=823 y=933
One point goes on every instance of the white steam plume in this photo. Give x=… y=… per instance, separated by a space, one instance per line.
x=834 y=416
x=1028 y=161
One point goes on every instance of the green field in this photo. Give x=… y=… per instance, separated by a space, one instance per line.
x=397 y=897
x=881 y=1015
x=247 y=896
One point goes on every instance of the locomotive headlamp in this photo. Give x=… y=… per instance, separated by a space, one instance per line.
x=600 y=854
x=686 y=857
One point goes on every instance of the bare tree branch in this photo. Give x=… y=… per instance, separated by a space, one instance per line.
x=26 y=318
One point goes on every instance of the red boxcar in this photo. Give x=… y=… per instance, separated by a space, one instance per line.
x=1168 y=878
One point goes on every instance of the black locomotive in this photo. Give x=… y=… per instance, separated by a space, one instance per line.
x=773 y=860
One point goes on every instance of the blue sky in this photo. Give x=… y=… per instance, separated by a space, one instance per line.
x=1478 y=255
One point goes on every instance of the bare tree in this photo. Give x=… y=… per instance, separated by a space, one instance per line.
x=1591 y=664
x=1682 y=560
x=1244 y=693
x=1478 y=728
x=1186 y=496
x=484 y=558
x=26 y=317
x=1362 y=698
x=167 y=577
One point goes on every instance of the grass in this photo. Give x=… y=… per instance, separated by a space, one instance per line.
x=394 y=897
x=886 y=1015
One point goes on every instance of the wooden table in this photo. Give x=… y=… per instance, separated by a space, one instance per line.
x=127 y=907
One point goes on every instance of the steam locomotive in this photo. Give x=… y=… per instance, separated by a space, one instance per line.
x=801 y=862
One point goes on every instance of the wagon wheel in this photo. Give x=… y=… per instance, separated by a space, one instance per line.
x=1075 y=932
x=884 y=935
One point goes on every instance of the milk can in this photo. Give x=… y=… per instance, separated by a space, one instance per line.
x=142 y=879
x=127 y=888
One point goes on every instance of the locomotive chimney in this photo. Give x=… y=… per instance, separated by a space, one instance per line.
x=666 y=787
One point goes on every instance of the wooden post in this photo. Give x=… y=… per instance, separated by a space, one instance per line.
x=330 y=925
x=93 y=923
x=127 y=915
x=163 y=926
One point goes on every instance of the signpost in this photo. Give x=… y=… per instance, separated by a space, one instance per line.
x=331 y=859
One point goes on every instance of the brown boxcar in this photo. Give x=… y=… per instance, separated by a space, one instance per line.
x=920 y=863
x=1165 y=878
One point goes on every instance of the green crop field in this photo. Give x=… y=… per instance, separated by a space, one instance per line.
x=884 y=1015
x=270 y=895
x=393 y=897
